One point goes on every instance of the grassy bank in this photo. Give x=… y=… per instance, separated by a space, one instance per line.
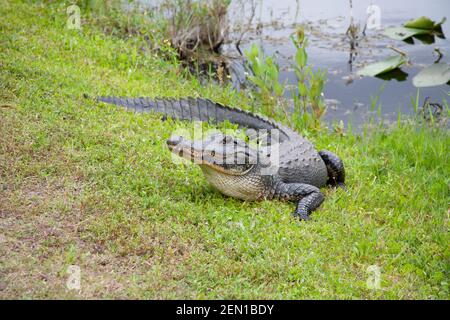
x=90 y=185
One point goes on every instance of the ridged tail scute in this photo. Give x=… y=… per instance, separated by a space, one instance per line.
x=196 y=109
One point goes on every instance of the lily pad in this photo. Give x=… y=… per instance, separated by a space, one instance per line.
x=424 y=23
x=403 y=33
x=420 y=23
x=434 y=75
x=381 y=67
x=416 y=27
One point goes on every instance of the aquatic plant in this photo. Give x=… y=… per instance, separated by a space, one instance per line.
x=417 y=28
x=423 y=29
x=266 y=78
x=309 y=106
x=307 y=97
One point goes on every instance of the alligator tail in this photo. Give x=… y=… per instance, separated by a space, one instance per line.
x=194 y=109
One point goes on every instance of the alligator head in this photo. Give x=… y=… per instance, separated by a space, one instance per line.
x=228 y=163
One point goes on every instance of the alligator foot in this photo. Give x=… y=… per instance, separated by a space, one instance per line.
x=309 y=197
x=308 y=204
x=335 y=167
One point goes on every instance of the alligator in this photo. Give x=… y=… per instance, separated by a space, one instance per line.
x=243 y=170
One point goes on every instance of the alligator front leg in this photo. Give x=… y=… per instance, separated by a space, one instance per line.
x=309 y=197
x=335 y=167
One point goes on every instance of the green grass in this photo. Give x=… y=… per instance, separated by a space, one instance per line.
x=90 y=185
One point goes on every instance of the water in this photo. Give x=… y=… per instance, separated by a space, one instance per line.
x=348 y=96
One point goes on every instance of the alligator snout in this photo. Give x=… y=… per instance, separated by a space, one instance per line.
x=174 y=141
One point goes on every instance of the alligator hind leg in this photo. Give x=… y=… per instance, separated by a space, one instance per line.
x=335 y=167
x=309 y=197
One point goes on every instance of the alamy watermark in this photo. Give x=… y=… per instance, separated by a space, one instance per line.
x=74 y=280
x=373 y=281
x=373 y=17
x=73 y=17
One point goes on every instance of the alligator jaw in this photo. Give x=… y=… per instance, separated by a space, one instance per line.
x=221 y=153
x=185 y=149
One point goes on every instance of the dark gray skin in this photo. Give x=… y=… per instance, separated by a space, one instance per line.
x=297 y=174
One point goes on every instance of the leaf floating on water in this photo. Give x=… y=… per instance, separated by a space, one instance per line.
x=434 y=75
x=420 y=23
x=416 y=27
x=424 y=23
x=403 y=33
x=381 y=67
